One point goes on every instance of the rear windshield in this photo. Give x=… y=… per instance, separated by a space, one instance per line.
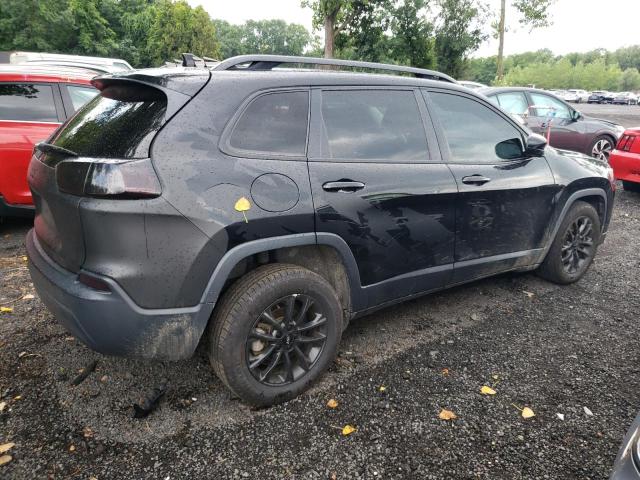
x=119 y=123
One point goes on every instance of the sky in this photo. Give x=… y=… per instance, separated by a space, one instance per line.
x=578 y=25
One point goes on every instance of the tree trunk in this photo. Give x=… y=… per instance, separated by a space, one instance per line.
x=503 y=13
x=329 y=35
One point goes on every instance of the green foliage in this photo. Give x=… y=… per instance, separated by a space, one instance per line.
x=594 y=70
x=533 y=13
x=458 y=34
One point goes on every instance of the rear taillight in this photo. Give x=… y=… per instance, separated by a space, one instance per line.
x=626 y=142
x=108 y=178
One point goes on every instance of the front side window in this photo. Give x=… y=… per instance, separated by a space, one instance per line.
x=27 y=102
x=547 y=106
x=372 y=124
x=80 y=95
x=472 y=129
x=513 y=102
x=274 y=123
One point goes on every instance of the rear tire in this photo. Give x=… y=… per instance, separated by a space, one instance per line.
x=274 y=333
x=631 y=186
x=574 y=247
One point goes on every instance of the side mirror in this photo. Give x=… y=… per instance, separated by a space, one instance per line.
x=535 y=145
x=510 y=149
x=575 y=115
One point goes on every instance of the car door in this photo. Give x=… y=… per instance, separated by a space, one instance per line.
x=545 y=111
x=377 y=182
x=29 y=113
x=503 y=205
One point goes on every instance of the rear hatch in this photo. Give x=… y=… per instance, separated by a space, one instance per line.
x=101 y=152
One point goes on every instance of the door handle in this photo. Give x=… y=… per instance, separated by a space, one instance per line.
x=347 y=186
x=475 y=180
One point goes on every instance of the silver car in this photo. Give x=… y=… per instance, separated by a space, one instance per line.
x=627 y=465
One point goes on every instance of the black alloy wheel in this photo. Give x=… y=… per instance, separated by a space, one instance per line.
x=286 y=340
x=577 y=249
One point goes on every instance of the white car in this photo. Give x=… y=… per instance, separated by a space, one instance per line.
x=576 y=96
x=472 y=85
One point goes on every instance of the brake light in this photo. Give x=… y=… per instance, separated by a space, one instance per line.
x=626 y=142
x=107 y=178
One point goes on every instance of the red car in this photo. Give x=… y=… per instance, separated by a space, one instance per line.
x=34 y=101
x=625 y=159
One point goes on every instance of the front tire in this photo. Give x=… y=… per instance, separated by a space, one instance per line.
x=601 y=147
x=574 y=247
x=275 y=332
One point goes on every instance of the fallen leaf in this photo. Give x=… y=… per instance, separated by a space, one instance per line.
x=382 y=389
x=5 y=459
x=332 y=403
x=72 y=448
x=487 y=390
x=528 y=294
x=6 y=447
x=447 y=415
x=18 y=397
x=527 y=413
x=25 y=258
x=445 y=372
x=87 y=432
x=22 y=354
x=2 y=406
x=6 y=309
x=28 y=296
x=495 y=377
x=588 y=412
x=348 y=430
x=560 y=416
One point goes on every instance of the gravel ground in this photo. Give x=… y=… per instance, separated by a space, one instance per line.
x=553 y=349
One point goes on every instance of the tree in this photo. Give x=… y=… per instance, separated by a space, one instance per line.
x=459 y=32
x=412 y=40
x=34 y=25
x=177 y=28
x=92 y=34
x=333 y=16
x=274 y=37
x=533 y=13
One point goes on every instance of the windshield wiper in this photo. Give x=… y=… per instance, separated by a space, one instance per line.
x=45 y=147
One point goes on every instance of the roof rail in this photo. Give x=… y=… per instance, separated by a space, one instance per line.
x=269 y=62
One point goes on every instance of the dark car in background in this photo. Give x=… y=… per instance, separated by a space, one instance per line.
x=545 y=113
x=269 y=207
x=625 y=98
x=599 y=96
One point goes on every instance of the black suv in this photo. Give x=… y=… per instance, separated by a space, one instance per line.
x=270 y=205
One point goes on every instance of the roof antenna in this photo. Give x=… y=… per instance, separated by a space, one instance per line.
x=188 y=60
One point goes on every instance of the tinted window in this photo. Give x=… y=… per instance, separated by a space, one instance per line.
x=513 y=102
x=27 y=102
x=547 y=106
x=275 y=123
x=80 y=95
x=118 y=123
x=472 y=129
x=373 y=124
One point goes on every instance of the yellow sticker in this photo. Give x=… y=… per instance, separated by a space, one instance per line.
x=243 y=205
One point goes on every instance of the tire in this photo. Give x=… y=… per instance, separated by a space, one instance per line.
x=557 y=267
x=598 y=149
x=242 y=311
x=631 y=186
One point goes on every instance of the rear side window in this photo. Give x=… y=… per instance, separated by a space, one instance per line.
x=27 y=102
x=513 y=102
x=119 y=123
x=372 y=124
x=80 y=95
x=273 y=124
x=472 y=129
x=546 y=106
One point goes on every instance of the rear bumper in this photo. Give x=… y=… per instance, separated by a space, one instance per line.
x=110 y=322
x=626 y=165
x=11 y=210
